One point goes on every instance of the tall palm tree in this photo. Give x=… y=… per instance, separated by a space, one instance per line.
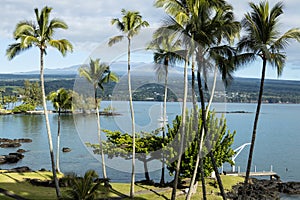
x=97 y=74
x=225 y=30
x=40 y=34
x=130 y=24
x=166 y=51
x=61 y=100
x=264 y=40
x=203 y=29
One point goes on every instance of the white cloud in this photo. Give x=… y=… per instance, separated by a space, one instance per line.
x=89 y=21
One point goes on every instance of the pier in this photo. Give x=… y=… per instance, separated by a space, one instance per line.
x=272 y=175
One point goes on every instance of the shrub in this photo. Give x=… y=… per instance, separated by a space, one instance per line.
x=23 y=108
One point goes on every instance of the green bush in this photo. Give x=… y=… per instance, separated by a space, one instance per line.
x=23 y=108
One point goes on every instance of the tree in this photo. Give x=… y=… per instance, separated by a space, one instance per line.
x=40 y=34
x=61 y=100
x=264 y=40
x=83 y=188
x=130 y=25
x=166 y=51
x=97 y=74
x=32 y=93
x=223 y=57
x=120 y=145
x=219 y=139
x=198 y=22
x=2 y=90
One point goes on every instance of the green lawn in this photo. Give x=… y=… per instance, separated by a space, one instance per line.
x=15 y=183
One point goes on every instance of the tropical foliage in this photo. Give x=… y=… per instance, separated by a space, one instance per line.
x=83 y=188
x=120 y=145
x=264 y=40
x=40 y=34
x=97 y=74
x=62 y=101
x=130 y=24
x=218 y=140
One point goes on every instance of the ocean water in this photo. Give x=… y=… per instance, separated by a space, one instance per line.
x=277 y=144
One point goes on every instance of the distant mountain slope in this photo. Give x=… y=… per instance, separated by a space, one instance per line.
x=240 y=90
x=63 y=71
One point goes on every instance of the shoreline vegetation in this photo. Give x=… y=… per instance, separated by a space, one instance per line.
x=41 y=112
x=24 y=183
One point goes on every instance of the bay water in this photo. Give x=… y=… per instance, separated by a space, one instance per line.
x=277 y=144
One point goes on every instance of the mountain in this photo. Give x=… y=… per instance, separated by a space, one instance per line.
x=119 y=68
x=72 y=70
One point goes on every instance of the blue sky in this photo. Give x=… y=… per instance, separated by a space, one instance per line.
x=90 y=29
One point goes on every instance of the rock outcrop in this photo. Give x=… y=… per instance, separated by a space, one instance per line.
x=265 y=190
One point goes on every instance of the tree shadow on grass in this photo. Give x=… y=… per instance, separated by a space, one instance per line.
x=156 y=192
x=46 y=176
x=7 y=175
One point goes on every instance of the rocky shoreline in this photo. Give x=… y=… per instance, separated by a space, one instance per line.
x=12 y=143
x=265 y=190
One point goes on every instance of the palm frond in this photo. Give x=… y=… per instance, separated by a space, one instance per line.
x=115 y=40
x=278 y=62
x=14 y=50
x=24 y=28
x=28 y=41
x=62 y=45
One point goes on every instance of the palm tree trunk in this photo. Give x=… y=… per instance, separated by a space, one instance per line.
x=219 y=180
x=132 y=125
x=205 y=133
x=195 y=111
x=182 y=130
x=58 y=194
x=198 y=159
x=146 y=171
x=99 y=135
x=58 y=142
x=255 y=127
x=162 y=178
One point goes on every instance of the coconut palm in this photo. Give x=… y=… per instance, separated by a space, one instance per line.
x=223 y=57
x=61 y=100
x=264 y=40
x=40 y=34
x=97 y=74
x=130 y=25
x=199 y=22
x=166 y=51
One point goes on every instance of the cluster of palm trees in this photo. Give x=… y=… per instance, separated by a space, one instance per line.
x=208 y=30
x=199 y=33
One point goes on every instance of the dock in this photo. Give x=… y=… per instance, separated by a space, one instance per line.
x=271 y=174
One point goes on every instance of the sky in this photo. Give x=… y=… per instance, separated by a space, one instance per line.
x=90 y=29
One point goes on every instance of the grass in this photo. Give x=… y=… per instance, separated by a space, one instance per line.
x=15 y=183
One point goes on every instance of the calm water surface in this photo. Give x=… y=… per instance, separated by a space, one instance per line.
x=277 y=144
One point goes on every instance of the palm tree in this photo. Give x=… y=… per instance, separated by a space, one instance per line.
x=196 y=21
x=166 y=52
x=83 y=188
x=97 y=74
x=226 y=29
x=130 y=25
x=264 y=40
x=61 y=100
x=40 y=34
